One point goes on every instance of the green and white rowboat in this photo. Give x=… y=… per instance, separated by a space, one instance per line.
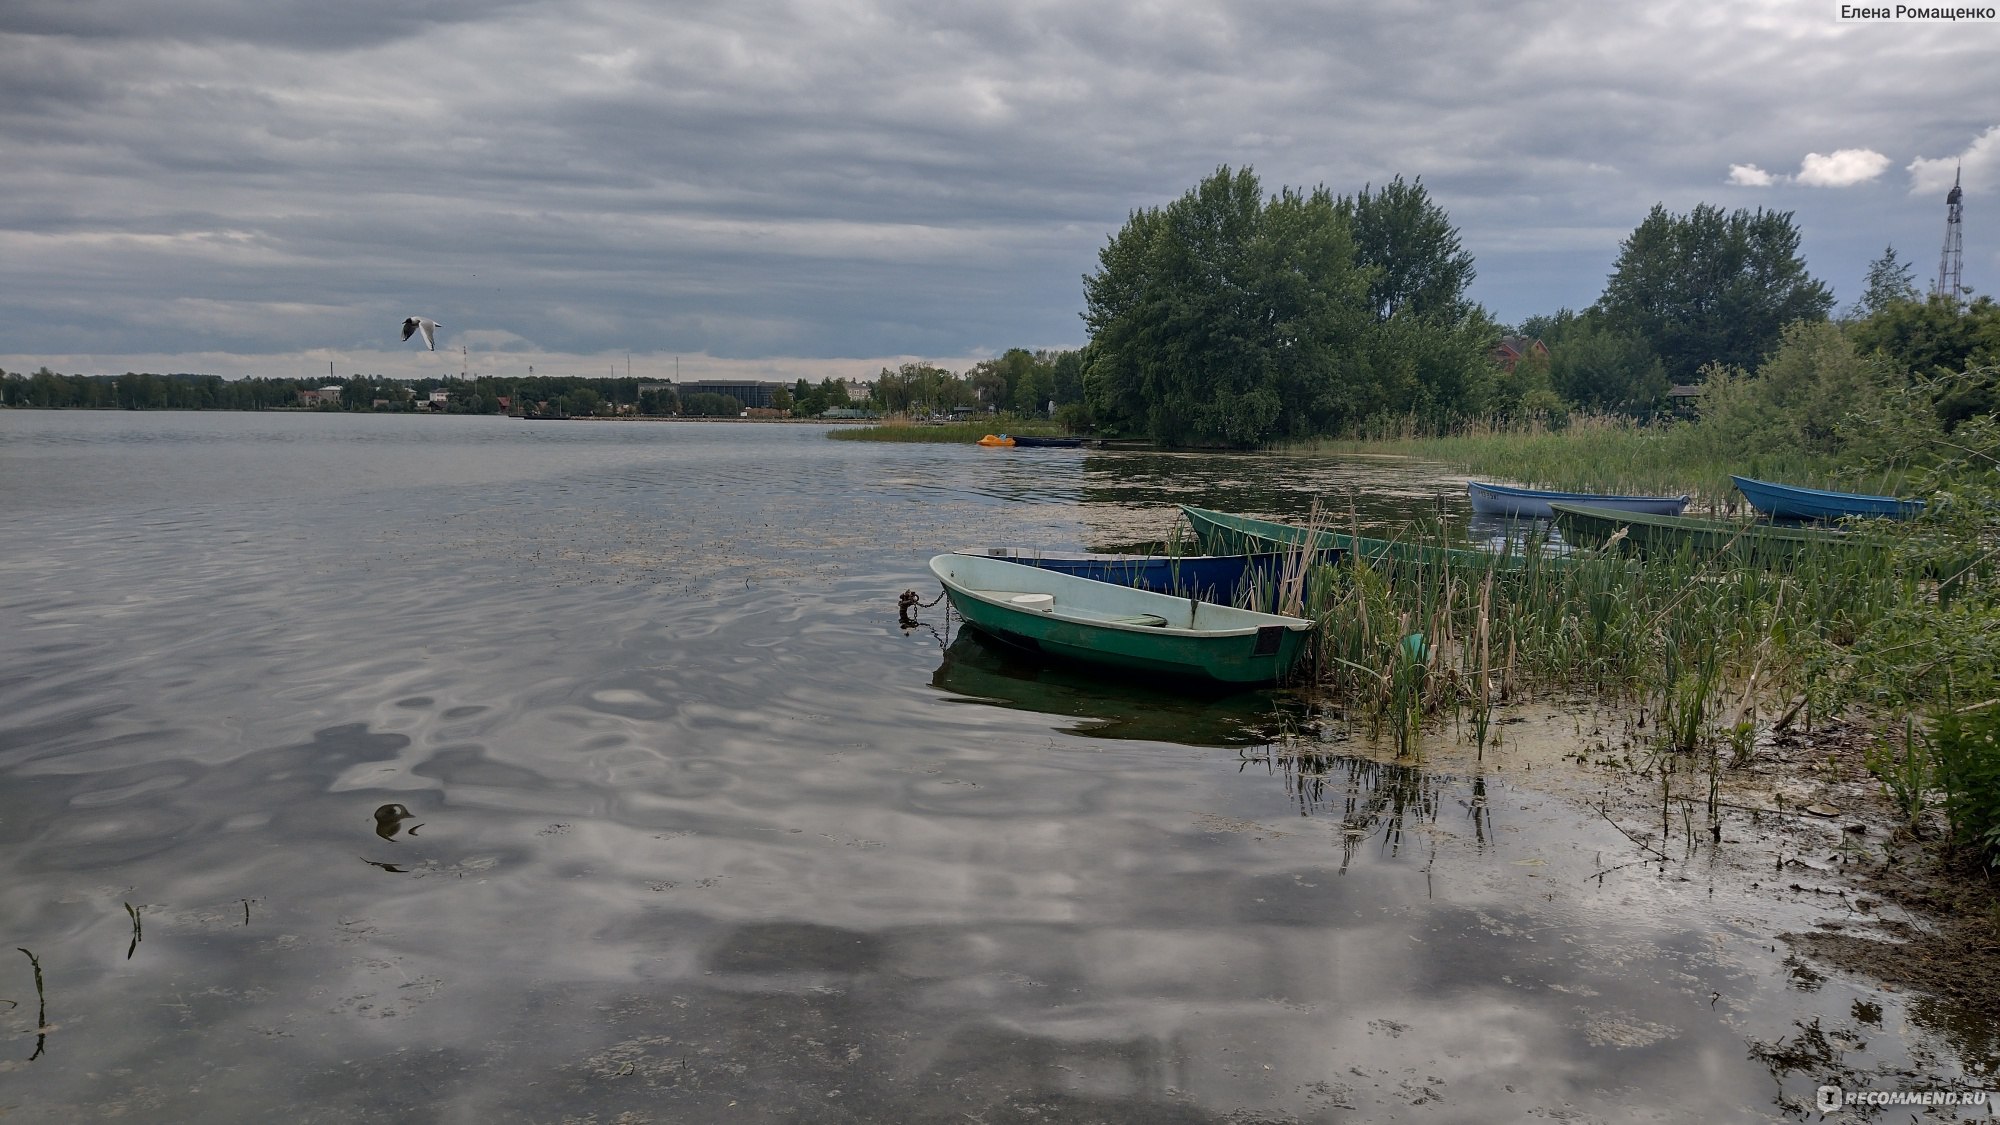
x=1118 y=627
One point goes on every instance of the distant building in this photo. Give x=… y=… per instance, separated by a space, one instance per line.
x=750 y=392
x=1513 y=349
x=324 y=396
x=1684 y=399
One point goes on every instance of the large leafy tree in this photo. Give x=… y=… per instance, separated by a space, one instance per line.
x=1889 y=280
x=1408 y=242
x=1223 y=319
x=1708 y=287
x=1940 y=337
x=1597 y=367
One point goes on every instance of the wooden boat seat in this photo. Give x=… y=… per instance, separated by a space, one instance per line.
x=1149 y=620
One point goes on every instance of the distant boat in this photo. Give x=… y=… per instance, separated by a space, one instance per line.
x=1223 y=533
x=1117 y=627
x=1215 y=578
x=1757 y=543
x=1533 y=503
x=1031 y=442
x=1791 y=502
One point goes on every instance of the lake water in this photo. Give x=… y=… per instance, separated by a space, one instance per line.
x=695 y=832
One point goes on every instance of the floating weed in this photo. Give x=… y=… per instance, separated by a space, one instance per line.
x=138 y=931
x=41 y=1008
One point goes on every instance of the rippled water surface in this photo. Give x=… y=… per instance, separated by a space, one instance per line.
x=675 y=823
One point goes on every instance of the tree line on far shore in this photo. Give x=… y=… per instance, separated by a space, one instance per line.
x=138 y=390
x=1230 y=317
x=1020 y=381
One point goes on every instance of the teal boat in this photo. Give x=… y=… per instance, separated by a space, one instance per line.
x=1221 y=533
x=1117 y=627
x=1760 y=543
x=1792 y=502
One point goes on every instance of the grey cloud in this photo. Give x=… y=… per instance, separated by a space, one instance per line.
x=759 y=179
x=300 y=24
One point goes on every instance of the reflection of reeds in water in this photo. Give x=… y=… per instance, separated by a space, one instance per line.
x=41 y=1009
x=1374 y=799
x=138 y=932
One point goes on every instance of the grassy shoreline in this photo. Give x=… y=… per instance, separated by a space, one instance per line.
x=954 y=433
x=1592 y=455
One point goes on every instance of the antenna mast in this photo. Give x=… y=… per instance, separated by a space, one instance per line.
x=1951 y=262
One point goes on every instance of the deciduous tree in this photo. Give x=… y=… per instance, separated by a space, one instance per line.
x=1708 y=287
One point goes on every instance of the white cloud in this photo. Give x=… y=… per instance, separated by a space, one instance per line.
x=1749 y=175
x=1842 y=168
x=1980 y=160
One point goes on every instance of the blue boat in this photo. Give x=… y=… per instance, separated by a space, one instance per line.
x=1225 y=579
x=1533 y=503
x=1791 y=502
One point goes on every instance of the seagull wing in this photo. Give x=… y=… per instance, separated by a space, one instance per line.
x=409 y=326
x=430 y=334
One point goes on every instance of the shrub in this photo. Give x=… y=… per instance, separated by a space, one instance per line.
x=1966 y=750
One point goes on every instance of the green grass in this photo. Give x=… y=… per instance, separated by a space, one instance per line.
x=959 y=433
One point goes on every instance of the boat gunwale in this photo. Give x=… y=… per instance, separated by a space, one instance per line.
x=1554 y=495
x=1816 y=536
x=1365 y=548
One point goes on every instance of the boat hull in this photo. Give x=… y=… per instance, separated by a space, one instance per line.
x=1791 y=502
x=1224 y=533
x=1758 y=544
x=1533 y=503
x=1102 y=625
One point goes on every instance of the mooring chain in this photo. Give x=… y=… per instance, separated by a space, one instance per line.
x=908 y=605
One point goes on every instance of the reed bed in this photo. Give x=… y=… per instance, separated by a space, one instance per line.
x=1705 y=647
x=1590 y=454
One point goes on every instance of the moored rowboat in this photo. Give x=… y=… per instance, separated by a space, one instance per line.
x=1792 y=502
x=1223 y=533
x=1533 y=503
x=1119 y=627
x=1758 y=543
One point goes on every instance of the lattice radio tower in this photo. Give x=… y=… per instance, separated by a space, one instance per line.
x=1951 y=263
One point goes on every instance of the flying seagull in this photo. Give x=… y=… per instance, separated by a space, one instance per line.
x=429 y=326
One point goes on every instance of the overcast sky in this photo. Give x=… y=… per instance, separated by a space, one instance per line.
x=772 y=189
